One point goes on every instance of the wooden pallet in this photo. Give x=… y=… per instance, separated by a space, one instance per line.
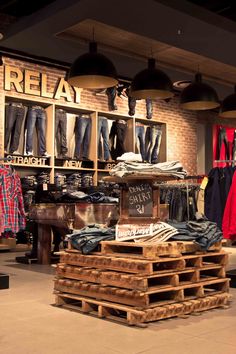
x=137 y=282
x=132 y=316
x=133 y=265
x=152 y=250
x=150 y=298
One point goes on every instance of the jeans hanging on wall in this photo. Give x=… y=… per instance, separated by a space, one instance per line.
x=152 y=143
x=36 y=117
x=60 y=131
x=111 y=96
x=83 y=126
x=139 y=137
x=222 y=138
x=132 y=105
x=118 y=132
x=15 y=113
x=104 y=134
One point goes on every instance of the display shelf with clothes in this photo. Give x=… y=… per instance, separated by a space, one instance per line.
x=150 y=140
x=27 y=128
x=74 y=131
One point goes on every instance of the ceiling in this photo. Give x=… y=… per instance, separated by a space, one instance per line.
x=181 y=35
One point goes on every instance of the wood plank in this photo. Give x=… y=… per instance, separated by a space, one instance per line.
x=132 y=316
x=124 y=264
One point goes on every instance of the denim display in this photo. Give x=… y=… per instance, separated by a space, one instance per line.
x=111 y=95
x=216 y=192
x=88 y=238
x=104 y=135
x=132 y=105
x=118 y=133
x=60 y=131
x=222 y=138
x=203 y=232
x=83 y=126
x=15 y=113
x=153 y=143
x=182 y=201
x=140 y=137
x=36 y=117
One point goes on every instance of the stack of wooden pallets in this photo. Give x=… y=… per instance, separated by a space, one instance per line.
x=138 y=282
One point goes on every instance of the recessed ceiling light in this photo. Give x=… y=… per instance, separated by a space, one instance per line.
x=182 y=84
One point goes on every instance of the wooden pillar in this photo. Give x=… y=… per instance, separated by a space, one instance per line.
x=44 y=244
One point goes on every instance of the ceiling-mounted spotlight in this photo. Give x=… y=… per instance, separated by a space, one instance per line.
x=92 y=70
x=228 y=108
x=151 y=83
x=199 y=96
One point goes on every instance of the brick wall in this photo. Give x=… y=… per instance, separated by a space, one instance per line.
x=181 y=124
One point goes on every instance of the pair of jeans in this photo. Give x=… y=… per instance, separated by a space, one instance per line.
x=139 y=137
x=111 y=96
x=118 y=132
x=222 y=138
x=152 y=143
x=36 y=117
x=60 y=130
x=132 y=105
x=15 y=113
x=103 y=133
x=83 y=126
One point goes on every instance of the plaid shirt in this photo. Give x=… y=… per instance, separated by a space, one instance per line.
x=12 y=213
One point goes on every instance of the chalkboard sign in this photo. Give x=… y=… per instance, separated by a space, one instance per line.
x=140 y=200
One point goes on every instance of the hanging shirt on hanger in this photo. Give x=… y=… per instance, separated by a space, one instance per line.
x=12 y=212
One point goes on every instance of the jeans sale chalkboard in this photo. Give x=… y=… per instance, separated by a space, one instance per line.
x=140 y=200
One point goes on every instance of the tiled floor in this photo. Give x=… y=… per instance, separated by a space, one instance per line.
x=30 y=325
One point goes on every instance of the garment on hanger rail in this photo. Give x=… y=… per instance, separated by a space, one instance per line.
x=12 y=213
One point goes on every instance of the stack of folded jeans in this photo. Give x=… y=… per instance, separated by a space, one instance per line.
x=87 y=239
x=74 y=181
x=29 y=199
x=29 y=182
x=203 y=232
x=43 y=178
x=60 y=180
x=87 y=180
x=173 y=168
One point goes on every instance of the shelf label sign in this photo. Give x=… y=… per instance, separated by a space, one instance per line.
x=39 y=84
x=140 y=200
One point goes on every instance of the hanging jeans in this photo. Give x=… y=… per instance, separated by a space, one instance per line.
x=36 y=117
x=118 y=131
x=132 y=105
x=111 y=96
x=83 y=127
x=222 y=138
x=153 y=143
x=103 y=133
x=60 y=130
x=15 y=113
x=139 y=137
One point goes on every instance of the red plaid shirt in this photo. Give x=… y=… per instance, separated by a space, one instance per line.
x=12 y=213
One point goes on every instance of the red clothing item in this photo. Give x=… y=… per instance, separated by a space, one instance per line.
x=229 y=217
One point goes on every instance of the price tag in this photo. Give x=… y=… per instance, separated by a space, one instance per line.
x=45 y=187
x=204 y=183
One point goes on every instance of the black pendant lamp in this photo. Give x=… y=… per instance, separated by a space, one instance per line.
x=228 y=108
x=92 y=70
x=151 y=83
x=199 y=96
